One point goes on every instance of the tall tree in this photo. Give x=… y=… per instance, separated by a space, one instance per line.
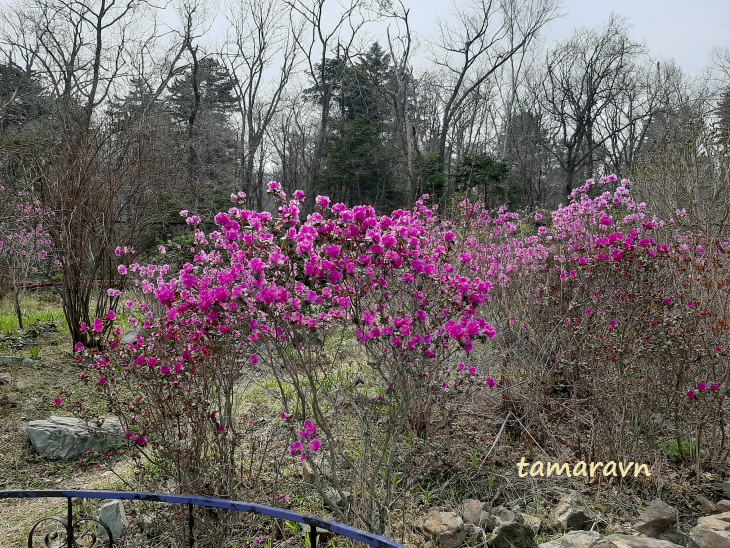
x=485 y=36
x=584 y=77
x=262 y=37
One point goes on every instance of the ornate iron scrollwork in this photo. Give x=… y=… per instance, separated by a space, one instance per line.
x=83 y=533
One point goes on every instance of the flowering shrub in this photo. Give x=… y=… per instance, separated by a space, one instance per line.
x=24 y=247
x=371 y=326
x=616 y=311
x=270 y=293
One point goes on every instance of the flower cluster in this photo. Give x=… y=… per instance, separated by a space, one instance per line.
x=307 y=443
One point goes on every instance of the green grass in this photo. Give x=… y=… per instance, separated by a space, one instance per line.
x=35 y=309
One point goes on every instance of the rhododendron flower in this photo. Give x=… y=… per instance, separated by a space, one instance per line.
x=296 y=447
x=715 y=386
x=165 y=370
x=110 y=316
x=57 y=402
x=122 y=269
x=691 y=394
x=491 y=383
x=98 y=326
x=102 y=381
x=284 y=416
x=310 y=429
x=254 y=359
x=141 y=441
x=314 y=445
x=701 y=386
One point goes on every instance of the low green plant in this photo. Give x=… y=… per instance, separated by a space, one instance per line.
x=35 y=352
x=671 y=450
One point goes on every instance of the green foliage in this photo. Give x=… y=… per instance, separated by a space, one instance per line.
x=489 y=175
x=671 y=450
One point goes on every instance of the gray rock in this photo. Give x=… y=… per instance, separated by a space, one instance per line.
x=11 y=360
x=571 y=513
x=702 y=537
x=628 y=541
x=512 y=535
x=723 y=506
x=476 y=513
x=718 y=522
x=658 y=518
x=5 y=378
x=69 y=438
x=579 y=539
x=726 y=489
x=705 y=504
x=130 y=337
x=337 y=499
x=551 y=544
x=113 y=516
x=503 y=516
x=445 y=528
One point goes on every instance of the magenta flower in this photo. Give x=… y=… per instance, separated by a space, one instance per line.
x=57 y=402
x=701 y=386
x=296 y=447
x=491 y=383
x=715 y=386
x=141 y=441
x=102 y=381
x=254 y=359
x=98 y=326
x=314 y=445
x=110 y=316
x=691 y=394
x=122 y=269
x=165 y=370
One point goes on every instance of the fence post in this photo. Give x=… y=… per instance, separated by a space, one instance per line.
x=69 y=524
x=191 y=525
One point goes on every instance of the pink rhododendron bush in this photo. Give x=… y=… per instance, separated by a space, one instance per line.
x=612 y=323
x=366 y=324
x=598 y=330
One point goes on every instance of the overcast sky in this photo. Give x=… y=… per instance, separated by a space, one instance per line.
x=685 y=30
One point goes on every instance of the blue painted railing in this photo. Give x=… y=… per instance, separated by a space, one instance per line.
x=314 y=523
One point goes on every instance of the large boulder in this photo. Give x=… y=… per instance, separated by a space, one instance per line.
x=571 y=513
x=69 y=438
x=445 y=528
x=658 y=518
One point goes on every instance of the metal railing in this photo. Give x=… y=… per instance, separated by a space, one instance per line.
x=69 y=524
